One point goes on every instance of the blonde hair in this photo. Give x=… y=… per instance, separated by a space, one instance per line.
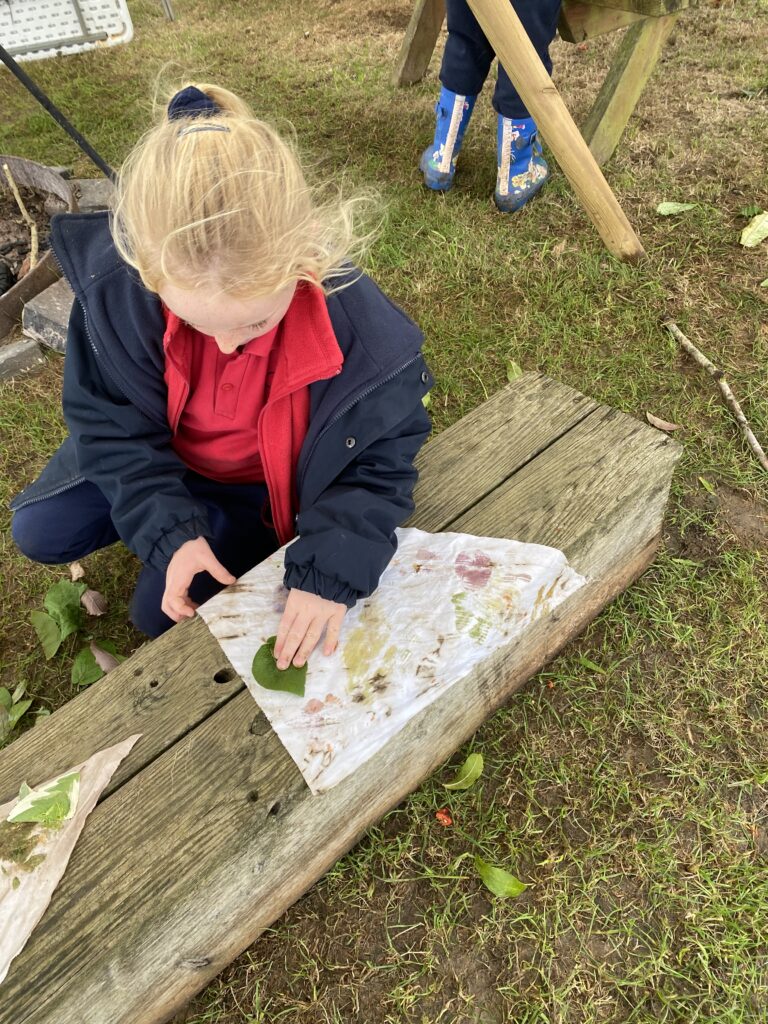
x=230 y=207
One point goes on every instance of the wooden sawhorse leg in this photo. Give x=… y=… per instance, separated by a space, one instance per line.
x=419 y=43
x=632 y=67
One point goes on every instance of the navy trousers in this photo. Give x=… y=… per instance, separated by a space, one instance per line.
x=71 y=525
x=468 y=54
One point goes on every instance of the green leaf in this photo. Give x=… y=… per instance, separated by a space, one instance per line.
x=707 y=485
x=514 y=370
x=50 y=804
x=764 y=284
x=591 y=665
x=499 y=881
x=17 y=711
x=85 y=668
x=468 y=774
x=426 y=400
x=62 y=602
x=750 y=211
x=267 y=674
x=19 y=692
x=6 y=701
x=47 y=631
x=668 y=209
x=755 y=231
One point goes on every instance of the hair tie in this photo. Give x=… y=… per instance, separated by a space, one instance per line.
x=191 y=102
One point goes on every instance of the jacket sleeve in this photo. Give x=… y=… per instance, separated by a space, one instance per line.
x=347 y=537
x=128 y=457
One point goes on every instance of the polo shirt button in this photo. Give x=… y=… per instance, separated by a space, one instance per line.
x=350 y=442
x=424 y=377
x=227 y=387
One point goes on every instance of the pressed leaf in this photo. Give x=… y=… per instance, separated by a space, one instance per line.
x=48 y=632
x=667 y=209
x=755 y=231
x=105 y=656
x=85 y=668
x=94 y=602
x=499 y=881
x=267 y=674
x=49 y=805
x=661 y=424
x=514 y=370
x=468 y=774
x=62 y=602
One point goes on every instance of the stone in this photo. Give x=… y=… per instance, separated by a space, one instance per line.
x=92 y=193
x=46 y=316
x=17 y=355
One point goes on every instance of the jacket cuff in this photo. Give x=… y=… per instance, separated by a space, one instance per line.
x=330 y=588
x=169 y=542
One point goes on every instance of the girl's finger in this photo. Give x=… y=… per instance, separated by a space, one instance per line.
x=308 y=644
x=212 y=565
x=282 y=630
x=293 y=638
x=332 y=631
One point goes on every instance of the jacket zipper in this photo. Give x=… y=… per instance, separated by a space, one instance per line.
x=351 y=405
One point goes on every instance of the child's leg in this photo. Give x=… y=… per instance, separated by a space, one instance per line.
x=240 y=540
x=522 y=169
x=64 y=527
x=468 y=55
x=539 y=19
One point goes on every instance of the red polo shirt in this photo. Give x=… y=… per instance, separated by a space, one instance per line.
x=242 y=417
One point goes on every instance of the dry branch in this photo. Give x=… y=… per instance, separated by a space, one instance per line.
x=727 y=394
x=29 y=221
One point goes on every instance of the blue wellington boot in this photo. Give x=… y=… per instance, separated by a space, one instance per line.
x=522 y=170
x=438 y=161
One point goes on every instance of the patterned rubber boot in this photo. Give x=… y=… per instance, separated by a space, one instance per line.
x=522 y=170
x=438 y=161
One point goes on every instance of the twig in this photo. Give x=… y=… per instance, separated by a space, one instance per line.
x=730 y=401
x=32 y=226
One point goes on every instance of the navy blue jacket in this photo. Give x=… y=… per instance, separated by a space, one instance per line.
x=355 y=474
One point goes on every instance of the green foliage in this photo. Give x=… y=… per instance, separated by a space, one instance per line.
x=85 y=668
x=468 y=774
x=47 y=631
x=50 y=804
x=12 y=707
x=499 y=881
x=267 y=674
x=62 y=602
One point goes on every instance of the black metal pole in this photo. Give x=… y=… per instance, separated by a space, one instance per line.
x=55 y=113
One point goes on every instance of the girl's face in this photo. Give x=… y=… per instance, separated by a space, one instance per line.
x=230 y=322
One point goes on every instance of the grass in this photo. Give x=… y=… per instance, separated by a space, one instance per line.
x=628 y=783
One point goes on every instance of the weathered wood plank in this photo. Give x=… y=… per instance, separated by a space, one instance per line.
x=648 y=8
x=419 y=42
x=633 y=65
x=579 y=21
x=167 y=687
x=247 y=837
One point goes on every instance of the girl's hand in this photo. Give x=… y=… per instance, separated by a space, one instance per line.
x=191 y=558
x=304 y=619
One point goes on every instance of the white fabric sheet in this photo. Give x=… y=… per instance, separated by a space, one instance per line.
x=444 y=604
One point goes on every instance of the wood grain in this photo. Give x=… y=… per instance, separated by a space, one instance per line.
x=633 y=65
x=579 y=21
x=182 y=866
x=419 y=42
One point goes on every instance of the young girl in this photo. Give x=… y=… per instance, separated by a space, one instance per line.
x=230 y=382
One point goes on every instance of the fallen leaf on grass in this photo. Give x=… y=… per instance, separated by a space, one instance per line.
x=755 y=231
x=47 y=631
x=85 y=669
x=514 y=370
x=76 y=571
x=499 y=881
x=559 y=248
x=668 y=209
x=661 y=424
x=468 y=774
x=106 y=659
x=94 y=602
x=62 y=602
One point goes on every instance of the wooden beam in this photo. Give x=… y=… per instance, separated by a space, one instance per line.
x=638 y=54
x=648 y=8
x=419 y=43
x=514 y=49
x=183 y=865
x=580 y=21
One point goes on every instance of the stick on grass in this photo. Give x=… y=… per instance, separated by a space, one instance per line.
x=728 y=395
x=29 y=221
